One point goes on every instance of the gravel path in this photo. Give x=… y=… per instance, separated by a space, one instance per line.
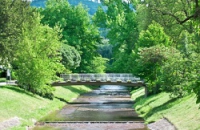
x=9 y=123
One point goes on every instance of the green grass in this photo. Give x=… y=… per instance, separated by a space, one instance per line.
x=3 y=80
x=137 y=93
x=184 y=113
x=30 y=108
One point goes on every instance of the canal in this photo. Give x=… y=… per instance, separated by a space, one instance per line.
x=108 y=108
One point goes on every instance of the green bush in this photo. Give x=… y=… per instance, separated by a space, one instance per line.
x=13 y=75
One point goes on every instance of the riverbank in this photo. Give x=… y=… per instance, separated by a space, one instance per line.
x=27 y=108
x=107 y=108
x=183 y=113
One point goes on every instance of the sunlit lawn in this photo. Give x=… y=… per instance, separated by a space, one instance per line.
x=184 y=113
x=15 y=102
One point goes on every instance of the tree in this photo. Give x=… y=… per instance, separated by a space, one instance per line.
x=38 y=57
x=181 y=11
x=150 y=55
x=180 y=20
x=77 y=29
x=70 y=57
x=98 y=65
x=13 y=13
x=169 y=14
x=174 y=75
x=119 y=21
x=154 y=35
x=150 y=63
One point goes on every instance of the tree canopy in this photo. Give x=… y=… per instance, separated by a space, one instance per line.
x=77 y=29
x=38 y=64
x=13 y=13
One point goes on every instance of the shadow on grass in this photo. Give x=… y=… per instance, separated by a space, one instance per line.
x=142 y=98
x=62 y=99
x=19 y=90
x=162 y=107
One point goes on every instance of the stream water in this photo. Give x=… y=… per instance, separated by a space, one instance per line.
x=107 y=108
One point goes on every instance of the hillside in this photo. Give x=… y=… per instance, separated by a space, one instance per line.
x=92 y=5
x=28 y=108
x=183 y=113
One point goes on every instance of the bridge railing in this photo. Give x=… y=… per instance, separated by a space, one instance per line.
x=108 y=77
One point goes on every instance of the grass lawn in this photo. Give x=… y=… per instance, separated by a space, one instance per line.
x=3 y=80
x=184 y=113
x=16 y=102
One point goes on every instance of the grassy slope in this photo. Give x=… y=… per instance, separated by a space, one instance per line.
x=184 y=113
x=29 y=108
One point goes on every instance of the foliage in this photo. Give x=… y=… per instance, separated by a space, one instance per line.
x=173 y=16
x=38 y=58
x=13 y=75
x=154 y=35
x=150 y=62
x=180 y=74
x=180 y=11
x=76 y=27
x=100 y=18
x=70 y=57
x=98 y=65
x=105 y=49
x=119 y=21
x=180 y=21
x=150 y=54
x=13 y=13
x=120 y=62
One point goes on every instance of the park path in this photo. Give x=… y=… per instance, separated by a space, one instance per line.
x=12 y=82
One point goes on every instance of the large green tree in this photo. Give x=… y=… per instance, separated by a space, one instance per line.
x=174 y=16
x=77 y=29
x=150 y=66
x=119 y=21
x=149 y=55
x=180 y=20
x=181 y=11
x=13 y=13
x=38 y=57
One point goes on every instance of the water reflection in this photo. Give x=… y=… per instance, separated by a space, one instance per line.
x=113 y=87
x=109 y=103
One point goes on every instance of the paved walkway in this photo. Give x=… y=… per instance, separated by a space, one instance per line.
x=12 y=82
x=5 y=125
x=3 y=83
